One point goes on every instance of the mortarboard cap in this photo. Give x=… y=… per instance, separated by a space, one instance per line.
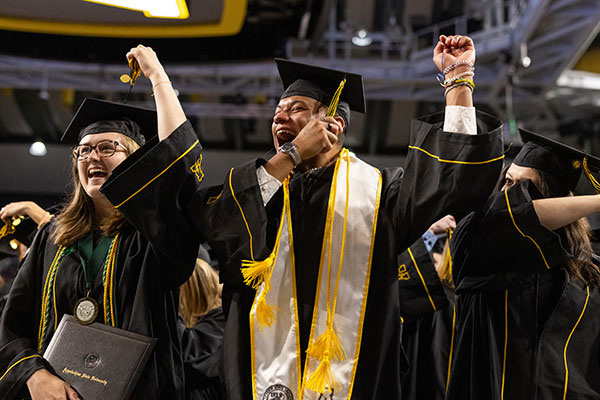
x=25 y=230
x=559 y=160
x=97 y=116
x=20 y=228
x=321 y=84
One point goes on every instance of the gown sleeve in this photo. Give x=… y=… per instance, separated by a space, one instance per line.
x=158 y=190
x=505 y=235
x=153 y=188
x=420 y=289
x=445 y=173
x=236 y=221
x=19 y=358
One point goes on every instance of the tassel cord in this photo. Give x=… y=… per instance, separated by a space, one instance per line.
x=589 y=175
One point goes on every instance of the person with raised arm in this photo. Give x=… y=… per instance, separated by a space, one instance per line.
x=90 y=256
x=527 y=288
x=308 y=240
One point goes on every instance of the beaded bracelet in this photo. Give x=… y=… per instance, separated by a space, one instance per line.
x=456 y=64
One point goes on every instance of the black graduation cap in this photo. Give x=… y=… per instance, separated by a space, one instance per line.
x=563 y=162
x=20 y=228
x=321 y=84
x=25 y=230
x=97 y=116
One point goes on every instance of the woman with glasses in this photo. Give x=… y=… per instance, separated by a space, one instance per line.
x=123 y=267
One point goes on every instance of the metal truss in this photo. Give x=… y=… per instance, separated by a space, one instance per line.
x=552 y=33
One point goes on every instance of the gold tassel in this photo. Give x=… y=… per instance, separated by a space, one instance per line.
x=322 y=379
x=264 y=312
x=7 y=229
x=255 y=272
x=134 y=73
x=589 y=175
x=329 y=343
x=336 y=99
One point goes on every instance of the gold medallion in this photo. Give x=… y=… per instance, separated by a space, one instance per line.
x=86 y=310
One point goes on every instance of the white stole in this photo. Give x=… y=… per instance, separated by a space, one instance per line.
x=276 y=349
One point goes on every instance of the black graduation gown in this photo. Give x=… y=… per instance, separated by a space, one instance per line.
x=147 y=278
x=524 y=329
x=428 y=189
x=201 y=347
x=426 y=305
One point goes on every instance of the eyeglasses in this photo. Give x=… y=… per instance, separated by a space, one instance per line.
x=105 y=148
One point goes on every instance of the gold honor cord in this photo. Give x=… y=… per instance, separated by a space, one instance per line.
x=336 y=99
x=256 y=273
x=48 y=286
x=48 y=293
x=328 y=345
x=108 y=279
x=134 y=73
x=589 y=176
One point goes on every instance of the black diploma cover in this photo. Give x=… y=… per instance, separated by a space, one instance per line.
x=99 y=361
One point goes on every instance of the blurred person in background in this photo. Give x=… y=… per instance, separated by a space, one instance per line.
x=202 y=331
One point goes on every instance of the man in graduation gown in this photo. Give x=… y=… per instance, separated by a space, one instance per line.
x=293 y=236
x=527 y=291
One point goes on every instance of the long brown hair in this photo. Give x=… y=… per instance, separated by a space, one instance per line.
x=578 y=233
x=76 y=218
x=200 y=294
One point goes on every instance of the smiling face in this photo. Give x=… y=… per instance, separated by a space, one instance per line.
x=291 y=115
x=95 y=170
x=516 y=174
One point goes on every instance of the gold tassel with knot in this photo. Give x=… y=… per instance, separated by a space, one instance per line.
x=256 y=273
x=322 y=379
x=265 y=313
x=7 y=229
x=329 y=343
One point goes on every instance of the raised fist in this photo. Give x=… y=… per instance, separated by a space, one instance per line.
x=454 y=48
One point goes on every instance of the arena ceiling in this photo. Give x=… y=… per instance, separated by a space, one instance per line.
x=229 y=86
